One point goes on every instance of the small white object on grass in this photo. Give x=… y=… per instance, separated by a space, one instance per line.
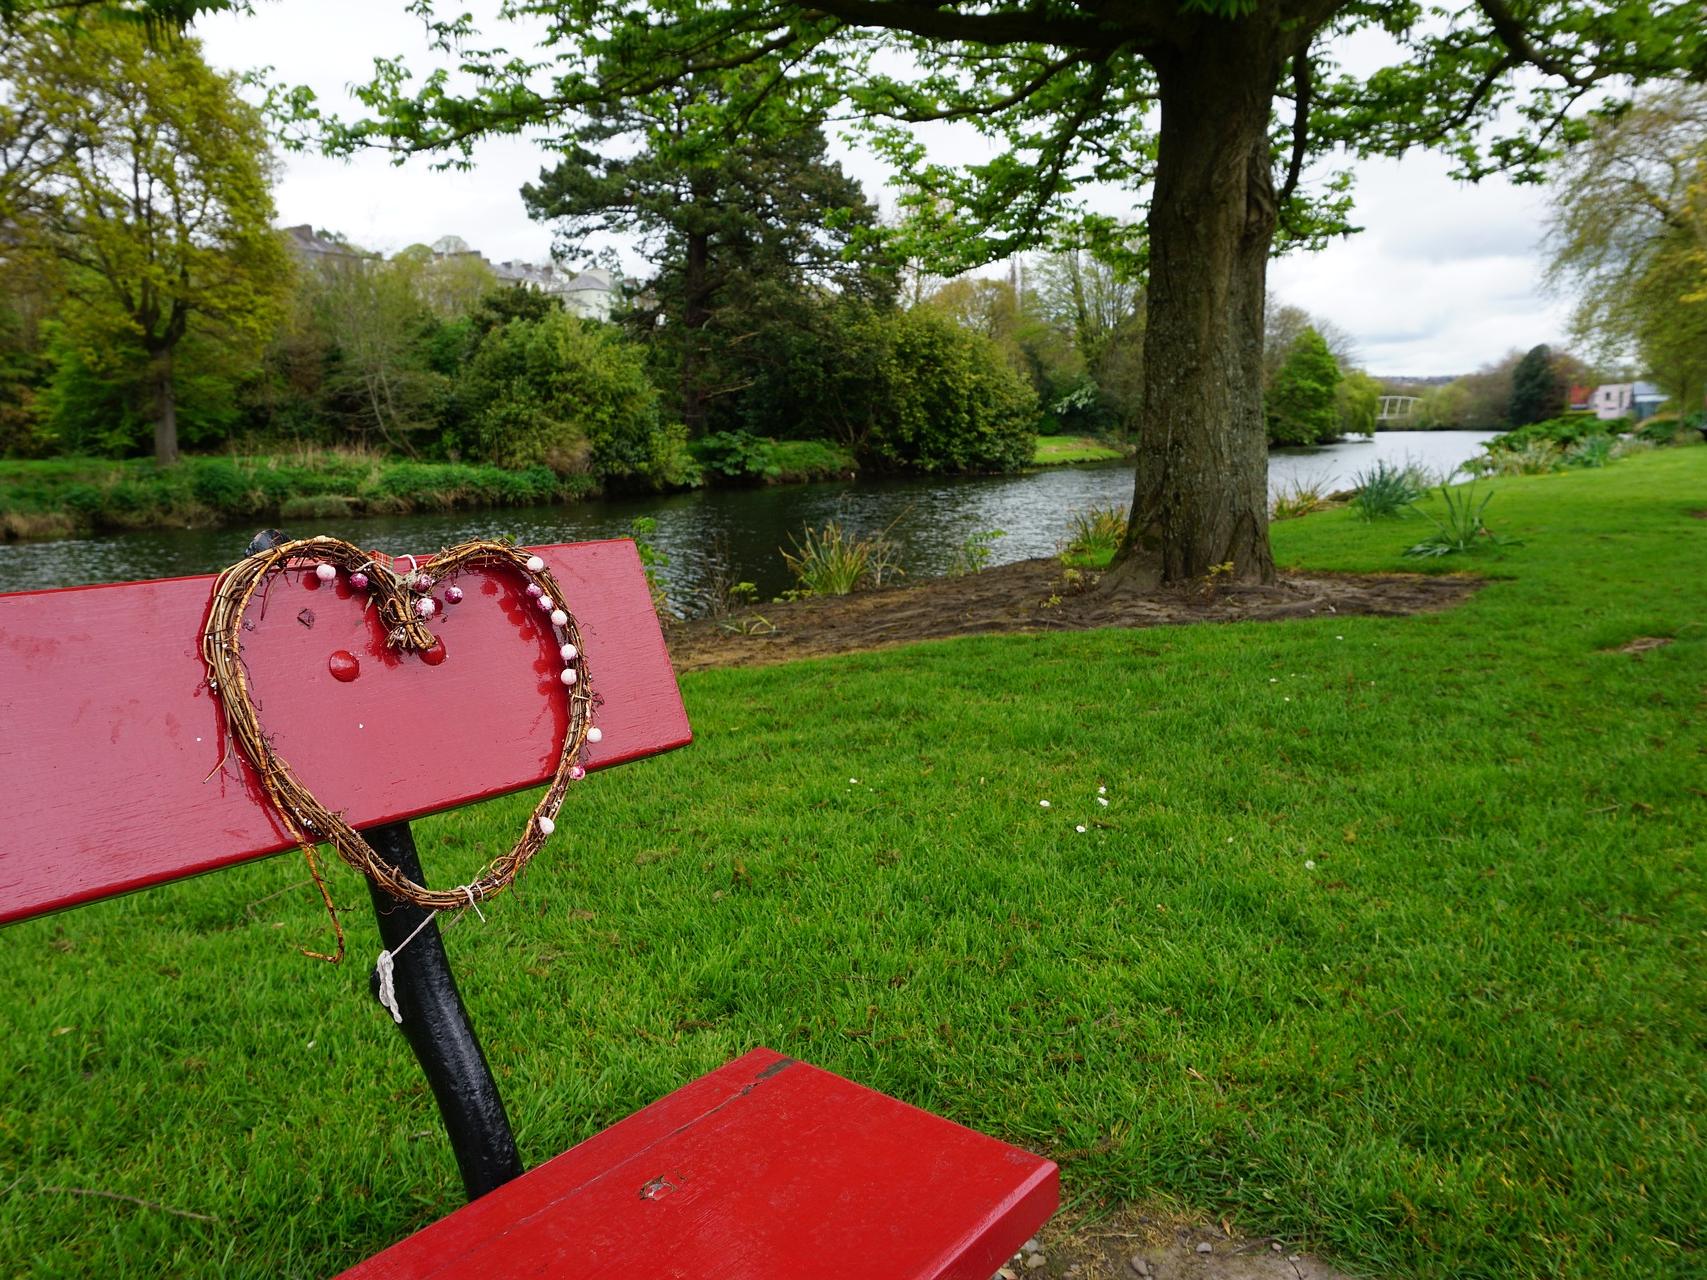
x=1043 y=804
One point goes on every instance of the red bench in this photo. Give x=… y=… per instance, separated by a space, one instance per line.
x=766 y=1167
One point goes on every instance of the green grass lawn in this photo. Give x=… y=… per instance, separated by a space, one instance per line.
x=1055 y=450
x=1389 y=939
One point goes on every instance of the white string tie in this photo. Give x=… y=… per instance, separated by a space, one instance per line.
x=469 y=890
x=385 y=967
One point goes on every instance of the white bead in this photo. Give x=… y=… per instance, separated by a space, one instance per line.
x=595 y=734
x=546 y=826
x=569 y=676
x=426 y=606
x=569 y=652
x=535 y=564
x=325 y=572
x=558 y=617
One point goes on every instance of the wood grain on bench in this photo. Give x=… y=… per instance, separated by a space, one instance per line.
x=111 y=742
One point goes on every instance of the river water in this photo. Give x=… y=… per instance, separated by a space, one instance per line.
x=736 y=533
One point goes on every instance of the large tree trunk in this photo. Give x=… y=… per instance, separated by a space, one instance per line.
x=165 y=409
x=1201 y=498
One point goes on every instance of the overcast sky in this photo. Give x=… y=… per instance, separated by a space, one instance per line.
x=1443 y=278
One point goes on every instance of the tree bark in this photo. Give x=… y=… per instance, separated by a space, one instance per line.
x=1201 y=494
x=165 y=409
x=696 y=312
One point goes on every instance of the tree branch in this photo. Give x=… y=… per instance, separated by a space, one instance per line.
x=1509 y=28
x=1303 y=89
x=923 y=19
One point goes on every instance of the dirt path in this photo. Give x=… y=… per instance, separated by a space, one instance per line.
x=1139 y=1243
x=1032 y=595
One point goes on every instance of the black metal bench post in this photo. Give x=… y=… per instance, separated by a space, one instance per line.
x=437 y=1026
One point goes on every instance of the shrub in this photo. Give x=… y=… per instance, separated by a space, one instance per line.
x=1298 y=496
x=833 y=562
x=219 y=485
x=1536 y=458
x=939 y=398
x=1386 y=491
x=973 y=554
x=738 y=456
x=1096 y=531
x=1595 y=451
x=570 y=395
x=1659 y=431
x=1561 y=432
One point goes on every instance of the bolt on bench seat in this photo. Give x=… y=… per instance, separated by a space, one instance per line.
x=766 y=1167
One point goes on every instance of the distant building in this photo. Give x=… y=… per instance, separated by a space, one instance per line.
x=590 y=294
x=318 y=248
x=1636 y=400
x=1580 y=398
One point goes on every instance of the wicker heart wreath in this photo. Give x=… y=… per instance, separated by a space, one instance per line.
x=405 y=607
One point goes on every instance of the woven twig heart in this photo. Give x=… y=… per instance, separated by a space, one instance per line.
x=406 y=623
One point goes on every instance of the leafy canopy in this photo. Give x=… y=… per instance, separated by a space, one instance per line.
x=1066 y=91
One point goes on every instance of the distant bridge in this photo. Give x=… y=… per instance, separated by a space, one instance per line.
x=1398 y=408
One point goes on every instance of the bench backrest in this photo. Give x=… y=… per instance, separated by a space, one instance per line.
x=111 y=742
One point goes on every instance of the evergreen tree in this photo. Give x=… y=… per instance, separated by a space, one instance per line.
x=1303 y=405
x=1537 y=390
x=741 y=225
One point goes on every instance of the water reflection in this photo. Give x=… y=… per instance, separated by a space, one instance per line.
x=734 y=534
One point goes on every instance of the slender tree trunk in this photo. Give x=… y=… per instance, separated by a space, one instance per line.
x=696 y=311
x=165 y=410
x=1201 y=497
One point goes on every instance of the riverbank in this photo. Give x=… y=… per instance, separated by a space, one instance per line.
x=1387 y=941
x=1057 y=451
x=80 y=497
x=75 y=497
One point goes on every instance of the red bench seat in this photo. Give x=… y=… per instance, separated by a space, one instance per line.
x=765 y=1169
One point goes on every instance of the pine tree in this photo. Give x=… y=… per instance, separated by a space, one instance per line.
x=1537 y=391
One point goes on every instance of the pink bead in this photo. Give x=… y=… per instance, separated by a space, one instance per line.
x=535 y=590
x=453 y=594
x=325 y=572
x=576 y=773
x=426 y=606
x=358 y=580
x=423 y=582
x=547 y=603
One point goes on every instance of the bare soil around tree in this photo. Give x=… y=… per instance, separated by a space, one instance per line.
x=1035 y=596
